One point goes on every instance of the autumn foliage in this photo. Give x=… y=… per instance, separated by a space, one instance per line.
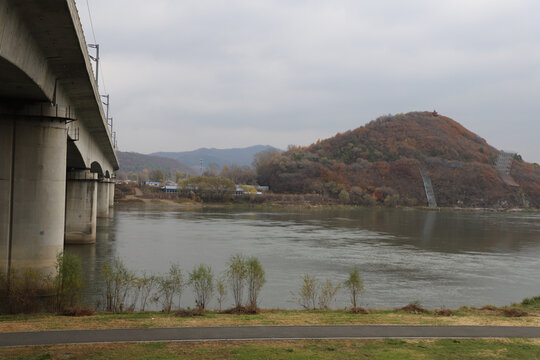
x=379 y=163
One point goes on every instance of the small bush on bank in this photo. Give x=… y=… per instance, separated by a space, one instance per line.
x=201 y=280
x=314 y=295
x=307 y=296
x=414 y=308
x=359 y=310
x=513 y=312
x=355 y=285
x=533 y=302
x=255 y=280
x=26 y=291
x=221 y=289
x=444 y=312
x=118 y=283
x=241 y=310
x=236 y=274
x=328 y=292
x=189 y=312
x=170 y=286
x=68 y=282
x=77 y=311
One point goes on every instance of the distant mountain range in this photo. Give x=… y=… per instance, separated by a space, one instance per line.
x=238 y=156
x=188 y=161
x=132 y=162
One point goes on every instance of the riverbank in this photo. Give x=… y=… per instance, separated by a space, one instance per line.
x=189 y=204
x=523 y=314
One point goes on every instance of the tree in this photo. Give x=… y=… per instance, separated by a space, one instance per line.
x=222 y=291
x=179 y=175
x=255 y=280
x=236 y=274
x=171 y=285
x=355 y=285
x=208 y=188
x=344 y=197
x=201 y=280
x=156 y=175
x=69 y=280
x=118 y=283
x=307 y=296
x=328 y=293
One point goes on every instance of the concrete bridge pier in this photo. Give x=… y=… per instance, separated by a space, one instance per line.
x=32 y=191
x=103 y=198
x=81 y=207
x=111 y=193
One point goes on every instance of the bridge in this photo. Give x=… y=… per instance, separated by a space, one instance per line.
x=57 y=157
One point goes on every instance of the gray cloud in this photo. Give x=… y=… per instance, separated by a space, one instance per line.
x=234 y=73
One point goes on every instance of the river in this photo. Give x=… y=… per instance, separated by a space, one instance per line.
x=443 y=259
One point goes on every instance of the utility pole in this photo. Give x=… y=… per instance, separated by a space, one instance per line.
x=107 y=104
x=111 y=124
x=96 y=59
x=201 y=167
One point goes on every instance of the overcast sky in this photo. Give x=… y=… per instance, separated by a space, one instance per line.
x=208 y=73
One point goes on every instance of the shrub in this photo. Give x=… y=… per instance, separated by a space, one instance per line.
x=355 y=285
x=77 y=311
x=359 y=310
x=189 y=313
x=414 y=308
x=534 y=301
x=170 y=285
x=118 y=282
x=201 y=280
x=236 y=274
x=344 y=197
x=513 y=312
x=255 y=280
x=391 y=200
x=222 y=292
x=328 y=293
x=307 y=296
x=25 y=290
x=444 y=312
x=314 y=295
x=68 y=282
x=146 y=285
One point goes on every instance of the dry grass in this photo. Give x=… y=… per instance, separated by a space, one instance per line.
x=15 y=323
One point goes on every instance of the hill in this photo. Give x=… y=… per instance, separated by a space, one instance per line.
x=132 y=162
x=381 y=162
x=238 y=156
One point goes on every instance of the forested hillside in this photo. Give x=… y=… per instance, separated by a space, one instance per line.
x=380 y=162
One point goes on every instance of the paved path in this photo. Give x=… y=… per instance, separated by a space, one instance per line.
x=263 y=333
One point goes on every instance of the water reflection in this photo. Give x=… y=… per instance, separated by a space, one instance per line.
x=440 y=258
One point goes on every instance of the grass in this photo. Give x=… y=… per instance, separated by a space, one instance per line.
x=488 y=315
x=308 y=349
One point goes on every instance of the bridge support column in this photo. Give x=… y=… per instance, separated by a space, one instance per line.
x=111 y=193
x=6 y=164
x=32 y=191
x=103 y=199
x=81 y=207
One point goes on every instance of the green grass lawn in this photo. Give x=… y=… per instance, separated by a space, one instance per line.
x=312 y=349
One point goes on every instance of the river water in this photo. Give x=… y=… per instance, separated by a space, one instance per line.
x=439 y=258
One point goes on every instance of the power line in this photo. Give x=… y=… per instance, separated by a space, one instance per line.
x=91 y=22
x=95 y=42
